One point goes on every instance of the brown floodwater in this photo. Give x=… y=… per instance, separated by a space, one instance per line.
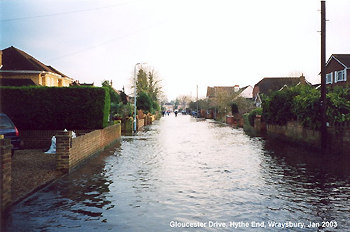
x=185 y=174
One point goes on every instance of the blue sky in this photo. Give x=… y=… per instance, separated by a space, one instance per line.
x=189 y=42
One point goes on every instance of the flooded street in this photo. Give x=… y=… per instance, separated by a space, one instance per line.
x=185 y=174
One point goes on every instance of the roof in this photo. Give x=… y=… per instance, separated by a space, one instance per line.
x=344 y=59
x=213 y=91
x=246 y=92
x=14 y=59
x=56 y=71
x=270 y=84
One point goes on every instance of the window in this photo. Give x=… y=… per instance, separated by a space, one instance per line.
x=340 y=76
x=329 y=78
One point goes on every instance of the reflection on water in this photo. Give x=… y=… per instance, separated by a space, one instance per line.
x=183 y=170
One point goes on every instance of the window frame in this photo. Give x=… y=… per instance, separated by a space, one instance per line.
x=329 y=78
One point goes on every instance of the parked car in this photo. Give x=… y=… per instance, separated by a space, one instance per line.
x=9 y=130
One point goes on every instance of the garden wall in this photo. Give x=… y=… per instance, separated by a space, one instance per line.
x=5 y=175
x=338 y=137
x=41 y=139
x=71 y=151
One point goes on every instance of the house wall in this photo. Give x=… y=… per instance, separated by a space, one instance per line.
x=54 y=80
x=333 y=66
x=44 y=79
x=72 y=151
x=256 y=90
x=35 y=77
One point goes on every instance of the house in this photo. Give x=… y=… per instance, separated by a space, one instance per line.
x=246 y=92
x=215 y=91
x=77 y=83
x=18 y=68
x=168 y=107
x=338 y=70
x=270 y=84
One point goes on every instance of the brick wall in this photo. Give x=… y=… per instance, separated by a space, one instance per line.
x=338 y=138
x=140 y=123
x=36 y=139
x=5 y=175
x=71 y=151
x=127 y=125
x=41 y=139
x=259 y=125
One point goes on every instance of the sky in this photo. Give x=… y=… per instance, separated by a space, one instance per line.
x=188 y=42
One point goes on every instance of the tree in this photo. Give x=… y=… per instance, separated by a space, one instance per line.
x=148 y=84
x=142 y=82
x=183 y=101
x=123 y=97
x=144 y=102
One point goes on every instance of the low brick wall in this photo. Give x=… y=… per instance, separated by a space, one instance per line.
x=71 y=151
x=338 y=138
x=148 y=119
x=41 y=139
x=140 y=123
x=5 y=175
x=36 y=139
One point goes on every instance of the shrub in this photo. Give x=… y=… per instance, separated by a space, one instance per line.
x=307 y=107
x=234 y=108
x=278 y=109
x=302 y=103
x=252 y=115
x=144 y=102
x=338 y=105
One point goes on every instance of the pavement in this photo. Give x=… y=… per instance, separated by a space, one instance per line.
x=31 y=170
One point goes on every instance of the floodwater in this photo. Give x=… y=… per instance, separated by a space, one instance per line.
x=185 y=174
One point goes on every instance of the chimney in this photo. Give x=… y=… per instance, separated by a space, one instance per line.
x=236 y=88
x=302 y=79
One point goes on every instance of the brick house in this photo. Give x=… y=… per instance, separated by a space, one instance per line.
x=17 y=68
x=338 y=70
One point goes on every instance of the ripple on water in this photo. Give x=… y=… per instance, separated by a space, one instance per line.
x=188 y=170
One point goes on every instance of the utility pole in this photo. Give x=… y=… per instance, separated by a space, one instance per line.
x=323 y=77
x=197 y=103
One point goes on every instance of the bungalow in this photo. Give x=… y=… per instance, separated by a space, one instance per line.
x=270 y=84
x=18 y=68
x=215 y=91
x=338 y=70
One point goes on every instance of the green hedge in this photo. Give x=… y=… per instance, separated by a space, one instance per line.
x=44 y=108
x=302 y=103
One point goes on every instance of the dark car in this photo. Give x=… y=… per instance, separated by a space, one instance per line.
x=9 y=130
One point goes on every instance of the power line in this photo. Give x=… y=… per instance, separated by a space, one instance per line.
x=65 y=12
x=105 y=42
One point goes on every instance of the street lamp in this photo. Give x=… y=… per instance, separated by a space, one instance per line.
x=135 y=69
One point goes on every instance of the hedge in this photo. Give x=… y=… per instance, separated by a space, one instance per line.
x=56 y=108
x=302 y=103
